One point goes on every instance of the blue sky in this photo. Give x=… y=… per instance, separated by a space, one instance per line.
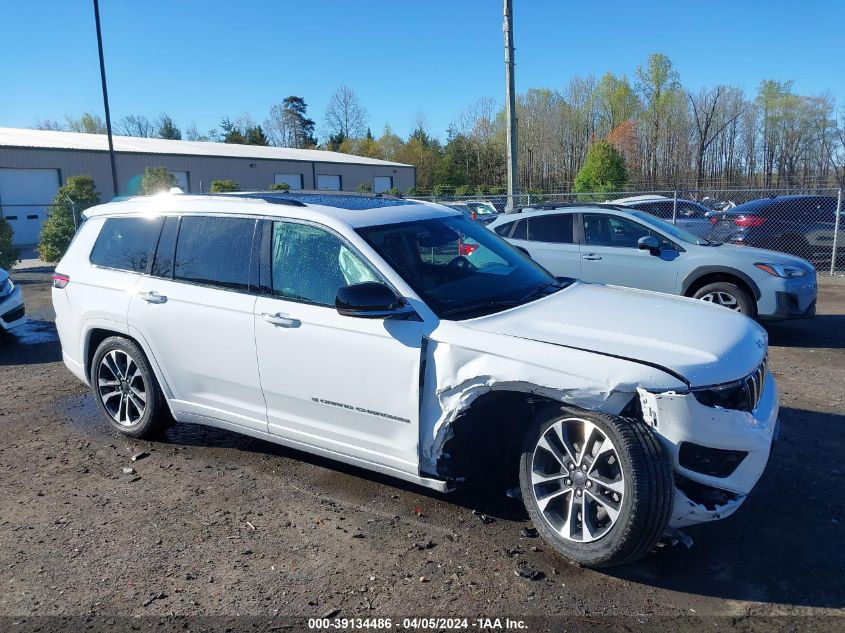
x=201 y=60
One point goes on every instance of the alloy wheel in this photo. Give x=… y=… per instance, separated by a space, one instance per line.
x=121 y=387
x=577 y=480
x=722 y=299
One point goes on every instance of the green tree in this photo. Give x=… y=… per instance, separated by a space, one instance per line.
x=603 y=170
x=78 y=192
x=279 y=186
x=255 y=136
x=219 y=186
x=9 y=254
x=156 y=180
x=88 y=123
x=231 y=133
x=167 y=129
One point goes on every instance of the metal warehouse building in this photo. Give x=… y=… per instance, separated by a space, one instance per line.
x=33 y=163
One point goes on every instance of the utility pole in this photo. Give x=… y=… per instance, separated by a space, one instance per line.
x=510 y=104
x=105 y=95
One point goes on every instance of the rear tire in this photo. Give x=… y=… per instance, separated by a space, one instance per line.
x=727 y=295
x=126 y=390
x=621 y=483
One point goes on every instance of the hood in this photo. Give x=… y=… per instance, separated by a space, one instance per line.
x=700 y=342
x=753 y=256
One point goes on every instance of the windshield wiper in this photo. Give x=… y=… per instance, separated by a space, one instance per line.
x=540 y=291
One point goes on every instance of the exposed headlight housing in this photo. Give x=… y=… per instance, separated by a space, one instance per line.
x=783 y=270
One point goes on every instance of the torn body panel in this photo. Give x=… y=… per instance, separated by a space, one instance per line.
x=717 y=454
x=460 y=366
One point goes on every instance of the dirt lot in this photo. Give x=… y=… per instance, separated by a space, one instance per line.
x=213 y=523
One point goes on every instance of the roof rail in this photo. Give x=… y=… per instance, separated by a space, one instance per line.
x=551 y=206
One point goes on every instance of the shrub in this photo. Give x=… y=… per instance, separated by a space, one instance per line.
x=156 y=180
x=444 y=190
x=393 y=191
x=219 y=186
x=59 y=228
x=9 y=254
x=603 y=171
x=463 y=190
x=279 y=186
x=365 y=187
x=482 y=190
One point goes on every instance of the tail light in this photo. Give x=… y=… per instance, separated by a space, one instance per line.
x=60 y=281
x=474 y=215
x=749 y=220
x=714 y=220
x=465 y=249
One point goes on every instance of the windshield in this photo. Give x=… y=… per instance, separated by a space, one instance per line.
x=459 y=268
x=482 y=208
x=671 y=229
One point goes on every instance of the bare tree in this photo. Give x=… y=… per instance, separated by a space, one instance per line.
x=135 y=125
x=345 y=116
x=708 y=124
x=48 y=124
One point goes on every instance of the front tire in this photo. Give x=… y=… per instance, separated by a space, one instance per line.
x=126 y=390
x=727 y=295
x=597 y=487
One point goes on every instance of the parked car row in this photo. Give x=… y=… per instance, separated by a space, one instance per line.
x=407 y=339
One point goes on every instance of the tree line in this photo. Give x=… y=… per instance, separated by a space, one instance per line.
x=668 y=136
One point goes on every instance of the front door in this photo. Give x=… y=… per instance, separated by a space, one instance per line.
x=346 y=384
x=609 y=255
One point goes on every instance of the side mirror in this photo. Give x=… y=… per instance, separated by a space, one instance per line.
x=371 y=300
x=649 y=243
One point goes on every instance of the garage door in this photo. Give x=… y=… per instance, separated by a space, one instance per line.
x=328 y=183
x=24 y=196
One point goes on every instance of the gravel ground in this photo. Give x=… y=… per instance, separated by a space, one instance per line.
x=209 y=523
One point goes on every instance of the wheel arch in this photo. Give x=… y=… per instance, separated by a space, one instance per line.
x=700 y=277
x=490 y=430
x=98 y=333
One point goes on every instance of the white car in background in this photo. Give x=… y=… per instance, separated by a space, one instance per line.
x=362 y=332
x=12 y=310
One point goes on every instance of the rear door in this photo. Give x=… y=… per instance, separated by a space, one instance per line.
x=195 y=310
x=549 y=239
x=610 y=255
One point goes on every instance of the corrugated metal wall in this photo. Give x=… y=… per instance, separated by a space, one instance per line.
x=251 y=174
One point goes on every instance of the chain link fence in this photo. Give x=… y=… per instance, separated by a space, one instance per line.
x=807 y=223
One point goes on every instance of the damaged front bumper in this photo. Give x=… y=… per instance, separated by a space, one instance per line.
x=717 y=454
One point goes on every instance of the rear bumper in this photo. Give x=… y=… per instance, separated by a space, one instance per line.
x=12 y=310
x=679 y=419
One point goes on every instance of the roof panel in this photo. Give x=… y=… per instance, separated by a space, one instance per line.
x=48 y=139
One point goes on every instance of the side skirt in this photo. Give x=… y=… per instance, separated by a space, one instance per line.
x=427 y=482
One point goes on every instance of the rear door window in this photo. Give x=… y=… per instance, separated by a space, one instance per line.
x=126 y=243
x=556 y=229
x=521 y=230
x=215 y=251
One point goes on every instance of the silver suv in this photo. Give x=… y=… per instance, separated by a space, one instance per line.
x=360 y=330
x=614 y=245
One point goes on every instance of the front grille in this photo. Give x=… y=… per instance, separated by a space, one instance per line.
x=741 y=395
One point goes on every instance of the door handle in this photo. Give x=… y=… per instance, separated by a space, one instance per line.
x=591 y=257
x=151 y=296
x=281 y=320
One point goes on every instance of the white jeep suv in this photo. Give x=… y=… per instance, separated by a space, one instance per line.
x=356 y=328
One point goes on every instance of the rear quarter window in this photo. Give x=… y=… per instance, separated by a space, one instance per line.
x=126 y=243
x=503 y=229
